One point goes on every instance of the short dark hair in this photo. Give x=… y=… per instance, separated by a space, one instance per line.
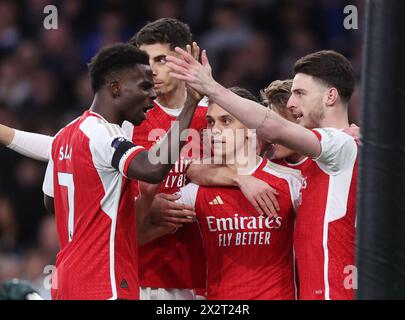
x=244 y=93
x=330 y=67
x=165 y=30
x=114 y=58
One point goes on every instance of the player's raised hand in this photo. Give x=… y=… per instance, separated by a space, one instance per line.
x=165 y=211
x=260 y=195
x=187 y=68
x=194 y=51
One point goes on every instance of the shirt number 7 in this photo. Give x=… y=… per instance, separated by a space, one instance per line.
x=66 y=180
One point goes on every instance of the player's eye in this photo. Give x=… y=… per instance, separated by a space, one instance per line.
x=210 y=122
x=162 y=60
x=227 y=121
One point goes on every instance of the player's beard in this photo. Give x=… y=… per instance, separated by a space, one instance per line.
x=160 y=92
x=314 y=117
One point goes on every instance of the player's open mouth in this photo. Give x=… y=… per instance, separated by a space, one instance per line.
x=218 y=141
x=298 y=115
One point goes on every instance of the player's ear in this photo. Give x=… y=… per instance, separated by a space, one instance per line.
x=331 y=96
x=115 y=88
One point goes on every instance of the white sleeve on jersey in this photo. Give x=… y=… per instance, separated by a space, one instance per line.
x=101 y=135
x=189 y=194
x=32 y=145
x=339 y=151
x=292 y=176
x=203 y=102
x=128 y=128
x=47 y=186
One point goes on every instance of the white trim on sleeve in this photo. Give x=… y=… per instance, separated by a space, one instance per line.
x=101 y=134
x=339 y=151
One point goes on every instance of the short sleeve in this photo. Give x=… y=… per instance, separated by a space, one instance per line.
x=338 y=150
x=101 y=136
x=128 y=129
x=188 y=194
x=47 y=186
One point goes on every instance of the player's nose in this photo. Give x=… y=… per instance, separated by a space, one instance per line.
x=153 y=68
x=216 y=129
x=291 y=103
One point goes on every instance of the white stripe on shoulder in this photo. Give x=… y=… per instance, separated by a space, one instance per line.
x=292 y=176
x=203 y=102
x=90 y=124
x=282 y=169
x=113 y=129
x=128 y=129
x=70 y=123
x=101 y=135
x=105 y=129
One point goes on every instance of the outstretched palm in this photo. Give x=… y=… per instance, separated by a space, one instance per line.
x=187 y=68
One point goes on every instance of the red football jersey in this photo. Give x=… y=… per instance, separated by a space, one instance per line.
x=324 y=236
x=249 y=256
x=95 y=213
x=174 y=260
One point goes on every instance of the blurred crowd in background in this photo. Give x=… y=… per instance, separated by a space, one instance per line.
x=44 y=83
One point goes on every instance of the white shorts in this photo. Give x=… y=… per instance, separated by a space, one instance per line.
x=147 y=293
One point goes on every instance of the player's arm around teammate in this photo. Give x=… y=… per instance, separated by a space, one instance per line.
x=262 y=196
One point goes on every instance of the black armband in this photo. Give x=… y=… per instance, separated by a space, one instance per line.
x=123 y=149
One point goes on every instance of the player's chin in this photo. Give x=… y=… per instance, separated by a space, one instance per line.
x=217 y=155
x=308 y=123
x=139 y=119
x=160 y=91
x=302 y=122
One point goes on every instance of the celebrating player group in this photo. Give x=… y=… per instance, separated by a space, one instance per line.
x=171 y=186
